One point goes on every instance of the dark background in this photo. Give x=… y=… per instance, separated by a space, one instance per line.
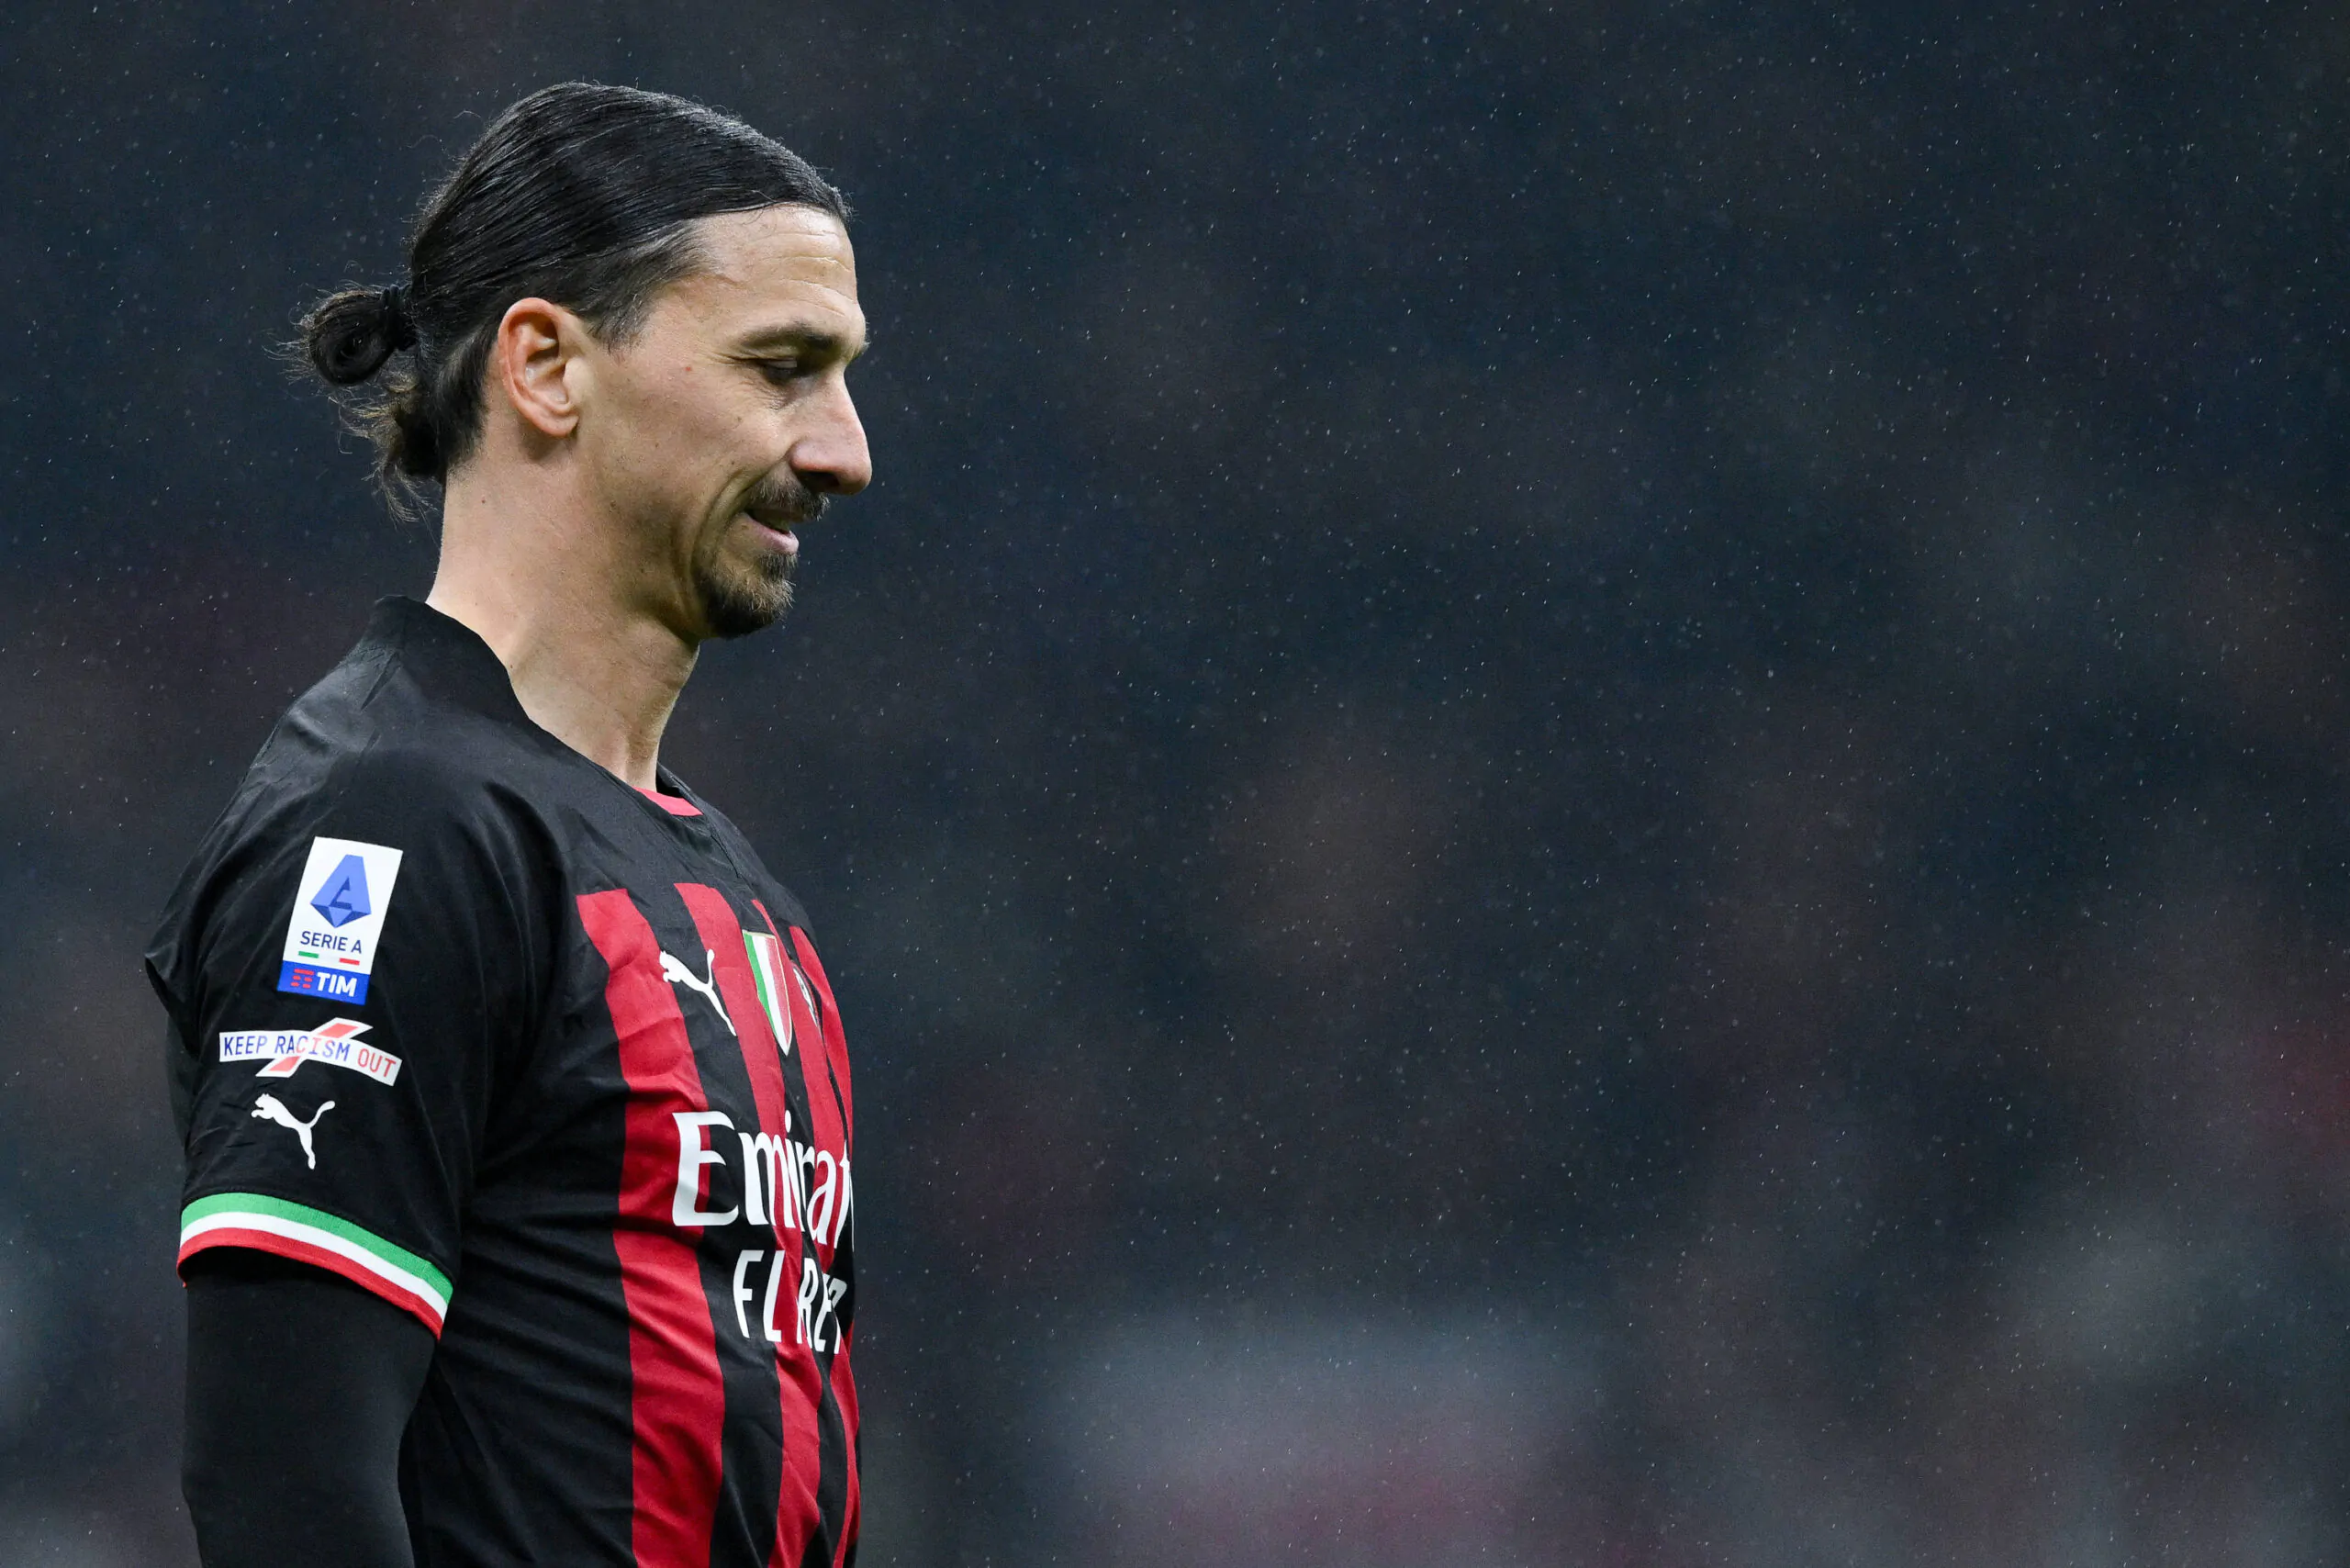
x=1578 y=785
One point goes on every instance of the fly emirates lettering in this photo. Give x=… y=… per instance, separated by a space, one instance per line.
x=787 y=1184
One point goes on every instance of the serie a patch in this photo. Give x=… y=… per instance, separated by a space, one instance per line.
x=339 y=909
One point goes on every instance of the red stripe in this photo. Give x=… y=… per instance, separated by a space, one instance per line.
x=843 y=1378
x=837 y=1133
x=304 y=1253
x=823 y=1107
x=677 y=1403
x=836 y=1042
x=797 y=1389
x=824 y=1110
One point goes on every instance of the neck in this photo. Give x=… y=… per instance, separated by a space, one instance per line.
x=535 y=577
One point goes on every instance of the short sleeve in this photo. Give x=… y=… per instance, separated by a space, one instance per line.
x=349 y=976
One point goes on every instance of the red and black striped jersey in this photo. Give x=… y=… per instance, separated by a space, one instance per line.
x=552 y=1063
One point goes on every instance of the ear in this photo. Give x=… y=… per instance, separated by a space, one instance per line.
x=534 y=361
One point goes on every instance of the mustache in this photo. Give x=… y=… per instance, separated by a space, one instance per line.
x=780 y=500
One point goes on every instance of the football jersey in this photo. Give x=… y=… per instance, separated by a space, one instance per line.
x=551 y=1063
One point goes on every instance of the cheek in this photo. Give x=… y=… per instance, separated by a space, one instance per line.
x=676 y=434
x=710 y=419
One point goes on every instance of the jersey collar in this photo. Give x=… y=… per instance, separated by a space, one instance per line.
x=447 y=658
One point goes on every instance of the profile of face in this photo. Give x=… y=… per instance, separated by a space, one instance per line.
x=724 y=424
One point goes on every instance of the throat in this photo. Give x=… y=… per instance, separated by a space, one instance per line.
x=605 y=691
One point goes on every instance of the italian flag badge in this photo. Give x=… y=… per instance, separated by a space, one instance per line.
x=768 y=966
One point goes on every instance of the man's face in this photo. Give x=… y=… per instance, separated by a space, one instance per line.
x=726 y=422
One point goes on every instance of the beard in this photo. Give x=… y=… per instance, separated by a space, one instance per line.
x=741 y=596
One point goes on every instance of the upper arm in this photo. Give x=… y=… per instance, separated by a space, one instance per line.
x=343 y=994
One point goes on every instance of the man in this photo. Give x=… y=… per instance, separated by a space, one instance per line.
x=518 y=1208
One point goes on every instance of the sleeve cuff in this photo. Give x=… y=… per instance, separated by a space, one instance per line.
x=313 y=1236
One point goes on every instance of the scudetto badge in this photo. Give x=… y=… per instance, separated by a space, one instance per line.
x=338 y=914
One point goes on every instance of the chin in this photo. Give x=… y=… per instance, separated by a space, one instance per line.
x=736 y=604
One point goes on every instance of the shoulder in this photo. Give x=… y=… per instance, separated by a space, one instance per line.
x=438 y=814
x=438 y=788
x=411 y=750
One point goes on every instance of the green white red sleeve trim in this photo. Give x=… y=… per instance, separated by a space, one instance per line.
x=313 y=1236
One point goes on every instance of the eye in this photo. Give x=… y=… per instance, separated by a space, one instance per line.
x=778 y=370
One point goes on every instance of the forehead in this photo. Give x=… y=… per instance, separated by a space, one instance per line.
x=776 y=267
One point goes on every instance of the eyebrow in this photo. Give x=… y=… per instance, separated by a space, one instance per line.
x=812 y=340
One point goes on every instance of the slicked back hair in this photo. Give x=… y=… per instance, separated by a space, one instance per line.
x=581 y=194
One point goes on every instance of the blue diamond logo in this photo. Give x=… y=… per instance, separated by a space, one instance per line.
x=344 y=897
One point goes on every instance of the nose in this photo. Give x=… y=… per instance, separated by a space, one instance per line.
x=831 y=457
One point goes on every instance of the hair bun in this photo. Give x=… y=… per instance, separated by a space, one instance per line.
x=350 y=334
x=395 y=318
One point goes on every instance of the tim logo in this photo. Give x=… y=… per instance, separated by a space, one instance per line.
x=339 y=909
x=311 y=982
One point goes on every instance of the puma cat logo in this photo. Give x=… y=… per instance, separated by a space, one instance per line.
x=676 y=973
x=270 y=1108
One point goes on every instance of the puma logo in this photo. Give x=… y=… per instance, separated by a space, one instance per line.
x=270 y=1108
x=676 y=973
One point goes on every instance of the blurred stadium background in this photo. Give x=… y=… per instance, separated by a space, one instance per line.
x=1579 y=785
